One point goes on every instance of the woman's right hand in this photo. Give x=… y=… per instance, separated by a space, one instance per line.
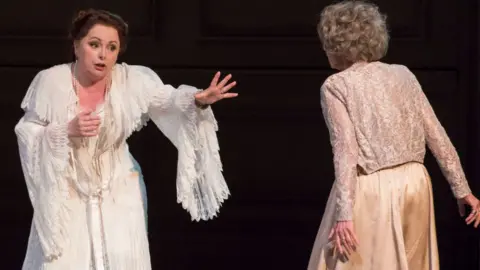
x=474 y=216
x=84 y=124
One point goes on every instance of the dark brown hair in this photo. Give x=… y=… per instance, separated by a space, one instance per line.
x=84 y=20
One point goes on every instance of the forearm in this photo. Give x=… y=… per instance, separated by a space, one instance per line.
x=438 y=141
x=449 y=162
x=344 y=147
x=346 y=175
x=445 y=153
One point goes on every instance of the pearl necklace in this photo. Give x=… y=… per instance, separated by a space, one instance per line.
x=96 y=175
x=94 y=196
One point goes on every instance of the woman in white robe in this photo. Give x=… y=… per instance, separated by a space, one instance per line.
x=83 y=183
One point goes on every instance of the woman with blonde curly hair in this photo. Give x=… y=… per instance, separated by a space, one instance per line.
x=380 y=211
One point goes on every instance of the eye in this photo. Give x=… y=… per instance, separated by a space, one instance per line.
x=112 y=48
x=94 y=44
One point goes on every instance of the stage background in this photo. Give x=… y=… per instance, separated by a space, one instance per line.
x=274 y=143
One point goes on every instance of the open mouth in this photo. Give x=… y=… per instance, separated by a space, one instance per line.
x=99 y=66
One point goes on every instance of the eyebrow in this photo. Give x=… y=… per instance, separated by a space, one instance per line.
x=94 y=37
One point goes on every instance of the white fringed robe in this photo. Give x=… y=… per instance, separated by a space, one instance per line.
x=66 y=225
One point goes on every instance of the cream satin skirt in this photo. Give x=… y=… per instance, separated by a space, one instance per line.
x=394 y=222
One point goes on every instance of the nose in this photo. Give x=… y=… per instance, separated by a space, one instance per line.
x=101 y=55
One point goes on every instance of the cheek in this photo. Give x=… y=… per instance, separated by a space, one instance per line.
x=84 y=54
x=89 y=53
x=113 y=56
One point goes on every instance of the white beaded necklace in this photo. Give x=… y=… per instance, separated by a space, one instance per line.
x=96 y=164
x=94 y=196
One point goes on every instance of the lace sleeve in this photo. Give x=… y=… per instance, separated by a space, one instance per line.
x=441 y=146
x=201 y=187
x=344 y=146
x=43 y=150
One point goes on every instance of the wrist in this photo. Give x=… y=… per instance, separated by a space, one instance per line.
x=199 y=103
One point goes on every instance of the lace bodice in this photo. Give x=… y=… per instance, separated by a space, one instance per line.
x=378 y=117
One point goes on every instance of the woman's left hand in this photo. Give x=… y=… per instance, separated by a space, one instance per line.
x=216 y=91
x=343 y=234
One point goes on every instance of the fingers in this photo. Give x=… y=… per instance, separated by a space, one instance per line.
x=222 y=85
x=346 y=243
x=228 y=87
x=334 y=236
x=89 y=123
x=338 y=243
x=89 y=117
x=88 y=120
x=224 y=81
x=355 y=239
x=350 y=238
x=332 y=232
x=474 y=215
x=229 y=95
x=89 y=133
x=215 y=79
x=84 y=132
x=344 y=238
x=470 y=219
x=88 y=128
x=477 y=221
x=85 y=111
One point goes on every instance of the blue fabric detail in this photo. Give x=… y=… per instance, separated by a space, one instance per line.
x=143 y=188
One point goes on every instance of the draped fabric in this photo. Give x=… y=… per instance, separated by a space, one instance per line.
x=394 y=222
x=90 y=204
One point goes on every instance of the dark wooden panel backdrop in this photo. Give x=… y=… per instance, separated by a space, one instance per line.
x=274 y=143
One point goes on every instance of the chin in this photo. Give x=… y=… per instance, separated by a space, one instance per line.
x=97 y=75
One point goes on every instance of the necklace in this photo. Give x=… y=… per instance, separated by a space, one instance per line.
x=96 y=183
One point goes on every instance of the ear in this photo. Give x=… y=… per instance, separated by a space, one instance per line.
x=76 y=45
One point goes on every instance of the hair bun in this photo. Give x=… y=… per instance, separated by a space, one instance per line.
x=84 y=20
x=81 y=15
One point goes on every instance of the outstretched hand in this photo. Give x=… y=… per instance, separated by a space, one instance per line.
x=216 y=91
x=474 y=216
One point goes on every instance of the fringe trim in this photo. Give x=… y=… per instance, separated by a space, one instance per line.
x=201 y=188
x=45 y=91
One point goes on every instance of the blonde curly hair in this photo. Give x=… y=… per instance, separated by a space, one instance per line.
x=354 y=30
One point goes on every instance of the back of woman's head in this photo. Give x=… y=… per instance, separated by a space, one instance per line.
x=84 y=20
x=354 y=30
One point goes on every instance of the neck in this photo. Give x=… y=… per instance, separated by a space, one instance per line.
x=347 y=65
x=86 y=82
